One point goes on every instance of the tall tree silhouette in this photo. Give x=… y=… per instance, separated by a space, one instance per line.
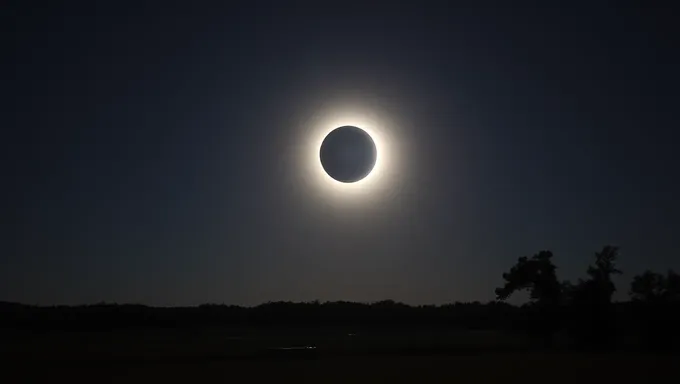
x=538 y=276
x=593 y=315
x=601 y=273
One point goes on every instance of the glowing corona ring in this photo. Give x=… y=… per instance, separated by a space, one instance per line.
x=370 y=187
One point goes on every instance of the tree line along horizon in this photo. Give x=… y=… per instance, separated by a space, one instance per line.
x=582 y=311
x=538 y=276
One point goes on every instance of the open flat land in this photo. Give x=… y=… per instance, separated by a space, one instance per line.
x=497 y=368
x=338 y=356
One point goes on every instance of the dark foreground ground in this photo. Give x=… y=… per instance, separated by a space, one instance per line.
x=485 y=368
x=337 y=356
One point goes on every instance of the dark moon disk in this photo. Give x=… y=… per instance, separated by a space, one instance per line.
x=348 y=154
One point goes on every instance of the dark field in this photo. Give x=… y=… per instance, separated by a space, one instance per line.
x=152 y=344
x=340 y=355
x=507 y=368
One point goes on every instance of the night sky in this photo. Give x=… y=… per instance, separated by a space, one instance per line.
x=163 y=153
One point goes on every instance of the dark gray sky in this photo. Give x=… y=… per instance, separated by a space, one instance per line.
x=157 y=155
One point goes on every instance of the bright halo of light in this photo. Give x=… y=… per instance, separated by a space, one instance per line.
x=371 y=186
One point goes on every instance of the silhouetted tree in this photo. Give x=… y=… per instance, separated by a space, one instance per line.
x=656 y=308
x=538 y=276
x=601 y=273
x=591 y=300
x=652 y=287
x=673 y=286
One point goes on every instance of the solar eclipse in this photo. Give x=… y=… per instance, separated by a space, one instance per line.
x=348 y=154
